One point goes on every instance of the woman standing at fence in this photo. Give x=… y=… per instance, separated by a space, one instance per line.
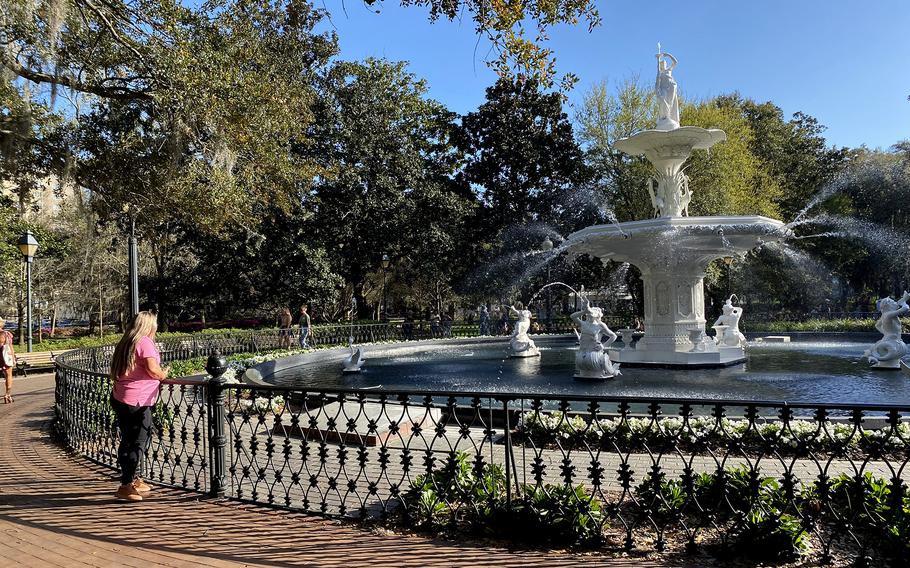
x=7 y=360
x=137 y=374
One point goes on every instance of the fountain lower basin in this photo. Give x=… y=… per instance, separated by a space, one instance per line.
x=815 y=368
x=672 y=254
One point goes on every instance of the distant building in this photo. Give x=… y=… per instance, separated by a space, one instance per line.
x=47 y=200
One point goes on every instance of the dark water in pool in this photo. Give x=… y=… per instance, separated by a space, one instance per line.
x=815 y=372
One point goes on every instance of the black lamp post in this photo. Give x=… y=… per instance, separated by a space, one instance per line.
x=133 y=261
x=134 y=267
x=547 y=246
x=383 y=312
x=28 y=246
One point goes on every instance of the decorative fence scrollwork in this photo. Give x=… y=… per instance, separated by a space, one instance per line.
x=770 y=480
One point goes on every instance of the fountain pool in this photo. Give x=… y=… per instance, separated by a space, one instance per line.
x=801 y=371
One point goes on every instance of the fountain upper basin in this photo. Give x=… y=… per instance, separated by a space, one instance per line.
x=676 y=240
x=662 y=143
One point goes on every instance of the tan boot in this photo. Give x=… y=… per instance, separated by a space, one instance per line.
x=141 y=486
x=128 y=493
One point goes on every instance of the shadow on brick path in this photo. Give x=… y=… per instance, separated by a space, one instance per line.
x=59 y=510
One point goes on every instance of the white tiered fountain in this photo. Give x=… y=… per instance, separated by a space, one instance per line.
x=673 y=250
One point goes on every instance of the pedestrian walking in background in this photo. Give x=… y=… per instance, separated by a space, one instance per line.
x=137 y=374
x=284 y=328
x=484 y=320
x=7 y=360
x=304 y=323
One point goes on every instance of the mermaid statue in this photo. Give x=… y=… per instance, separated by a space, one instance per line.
x=592 y=361
x=521 y=345
x=888 y=351
x=727 y=326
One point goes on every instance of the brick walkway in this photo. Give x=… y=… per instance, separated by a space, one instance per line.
x=58 y=510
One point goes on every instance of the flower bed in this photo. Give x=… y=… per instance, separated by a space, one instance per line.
x=700 y=433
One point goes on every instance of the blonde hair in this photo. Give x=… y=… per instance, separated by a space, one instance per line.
x=124 y=359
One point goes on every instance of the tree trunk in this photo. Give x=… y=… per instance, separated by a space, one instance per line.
x=54 y=320
x=363 y=310
x=100 y=309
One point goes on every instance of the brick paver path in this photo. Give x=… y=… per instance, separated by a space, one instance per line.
x=59 y=510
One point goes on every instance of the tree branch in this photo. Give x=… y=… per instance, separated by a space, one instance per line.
x=112 y=29
x=36 y=76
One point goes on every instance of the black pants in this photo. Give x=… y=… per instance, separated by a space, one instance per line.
x=135 y=423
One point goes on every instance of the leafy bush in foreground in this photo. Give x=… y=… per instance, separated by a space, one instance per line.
x=473 y=496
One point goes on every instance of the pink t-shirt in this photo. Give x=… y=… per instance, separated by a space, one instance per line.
x=137 y=387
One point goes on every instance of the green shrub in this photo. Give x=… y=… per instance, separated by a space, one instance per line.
x=187 y=367
x=162 y=416
x=867 y=504
x=459 y=495
x=816 y=325
x=561 y=514
x=770 y=535
x=762 y=521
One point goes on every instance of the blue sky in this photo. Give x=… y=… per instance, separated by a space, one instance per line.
x=846 y=63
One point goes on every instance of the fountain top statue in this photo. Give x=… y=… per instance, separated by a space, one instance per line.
x=666 y=90
x=669 y=145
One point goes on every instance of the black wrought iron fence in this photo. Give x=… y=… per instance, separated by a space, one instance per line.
x=177 y=453
x=770 y=480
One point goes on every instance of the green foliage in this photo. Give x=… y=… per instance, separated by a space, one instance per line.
x=767 y=525
x=505 y=25
x=819 y=325
x=730 y=179
x=187 y=367
x=560 y=514
x=521 y=150
x=702 y=432
x=771 y=536
x=473 y=496
x=67 y=343
x=388 y=185
x=174 y=112
x=792 y=152
x=761 y=519
x=869 y=505
x=605 y=117
x=162 y=416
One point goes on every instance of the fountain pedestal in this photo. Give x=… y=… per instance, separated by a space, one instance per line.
x=675 y=323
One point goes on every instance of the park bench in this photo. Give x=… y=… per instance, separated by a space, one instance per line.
x=36 y=361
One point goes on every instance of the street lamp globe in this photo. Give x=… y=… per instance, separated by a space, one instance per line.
x=386 y=261
x=546 y=245
x=28 y=246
